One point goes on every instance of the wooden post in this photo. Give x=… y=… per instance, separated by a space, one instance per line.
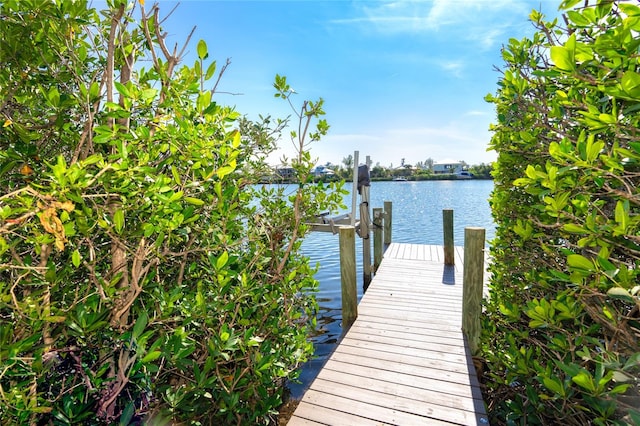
x=377 y=238
x=387 y=222
x=447 y=228
x=347 y=237
x=472 y=282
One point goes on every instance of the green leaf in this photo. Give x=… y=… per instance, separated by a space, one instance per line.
x=54 y=97
x=222 y=260
x=176 y=175
x=619 y=389
x=210 y=70
x=118 y=220
x=584 y=380
x=580 y=262
x=619 y=293
x=176 y=196
x=236 y=140
x=122 y=89
x=630 y=83
x=594 y=148
x=577 y=18
x=202 y=49
x=622 y=215
x=561 y=58
x=629 y=9
x=75 y=258
x=568 y=4
x=554 y=385
x=574 y=229
x=564 y=57
x=127 y=414
x=194 y=201
x=140 y=325
x=151 y=356
x=203 y=101
x=224 y=171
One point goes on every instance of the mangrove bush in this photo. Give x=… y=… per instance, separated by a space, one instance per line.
x=563 y=322
x=143 y=274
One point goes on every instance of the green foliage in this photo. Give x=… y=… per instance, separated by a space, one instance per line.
x=142 y=273
x=482 y=170
x=562 y=325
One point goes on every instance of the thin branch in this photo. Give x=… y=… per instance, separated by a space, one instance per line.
x=222 y=70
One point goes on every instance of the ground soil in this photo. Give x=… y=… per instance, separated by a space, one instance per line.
x=286 y=411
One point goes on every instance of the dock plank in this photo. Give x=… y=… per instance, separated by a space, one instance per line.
x=404 y=361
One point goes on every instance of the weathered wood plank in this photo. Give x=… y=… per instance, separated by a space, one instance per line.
x=398 y=365
x=450 y=371
x=310 y=413
x=437 y=349
x=451 y=323
x=420 y=336
x=394 y=295
x=405 y=399
x=300 y=421
x=425 y=402
x=452 y=363
x=419 y=328
x=362 y=409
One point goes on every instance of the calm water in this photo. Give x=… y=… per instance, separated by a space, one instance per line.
x=417 y=218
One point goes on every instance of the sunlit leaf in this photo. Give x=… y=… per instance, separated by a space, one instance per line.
x=222 y=260
x=75 y=258
x=580 y=262
x=202 y=49
x=118 y=220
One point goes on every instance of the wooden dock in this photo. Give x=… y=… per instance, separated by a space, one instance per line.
x=404 y=361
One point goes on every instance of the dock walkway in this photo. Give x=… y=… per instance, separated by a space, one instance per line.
x=404 y=361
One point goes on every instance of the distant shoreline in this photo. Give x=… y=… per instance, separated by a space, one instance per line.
x=385 y=179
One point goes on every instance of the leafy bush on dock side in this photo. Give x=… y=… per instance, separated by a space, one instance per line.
x=562 y=327
x=142 y=275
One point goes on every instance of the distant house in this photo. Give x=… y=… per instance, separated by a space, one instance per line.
x=447 y=168
x=286 y=172
x=323 y=171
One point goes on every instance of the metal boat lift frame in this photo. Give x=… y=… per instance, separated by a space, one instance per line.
x=362 y=225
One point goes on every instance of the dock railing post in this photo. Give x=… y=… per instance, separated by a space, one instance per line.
x=387 y=222
x=347 y=237
x=447 y=229
x=377 y=238
x=472 y=282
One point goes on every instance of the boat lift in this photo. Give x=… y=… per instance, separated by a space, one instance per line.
x=363 y=224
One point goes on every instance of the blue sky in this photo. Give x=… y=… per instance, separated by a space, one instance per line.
x=400 y=79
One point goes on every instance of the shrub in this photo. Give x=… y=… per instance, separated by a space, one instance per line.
x=142 y=274
x=562 y=324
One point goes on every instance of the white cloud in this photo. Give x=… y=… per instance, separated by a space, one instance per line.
x=454 y=67
x=482 y=22
x=460 y=140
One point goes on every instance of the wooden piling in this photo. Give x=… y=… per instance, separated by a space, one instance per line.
x=472 y=281
x=377 y=238
x=387 y=222
x=447 y=229
x=347 y=237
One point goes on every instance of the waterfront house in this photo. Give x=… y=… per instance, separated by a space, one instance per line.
x=447 y=168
